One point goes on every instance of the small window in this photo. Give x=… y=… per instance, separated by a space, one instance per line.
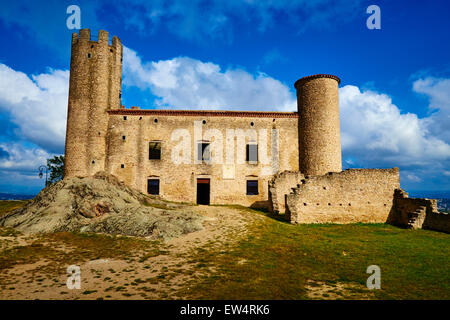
x=89 y=55
x=153 y=186
x=252 y=153
x=123 y=138
x=122 y=166
x=252 y=187
x=154 y=150
x=155 y=121
x=124 y=117
x=203 y=151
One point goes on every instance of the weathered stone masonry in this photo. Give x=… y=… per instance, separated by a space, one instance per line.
x=298 y=168
x=418 y=213
x=354 y=195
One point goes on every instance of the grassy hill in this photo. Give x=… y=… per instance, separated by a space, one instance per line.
x=271 y=260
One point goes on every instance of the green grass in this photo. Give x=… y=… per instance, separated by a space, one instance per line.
x=280 y=258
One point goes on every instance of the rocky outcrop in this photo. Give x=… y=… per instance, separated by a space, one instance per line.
x=102 y=204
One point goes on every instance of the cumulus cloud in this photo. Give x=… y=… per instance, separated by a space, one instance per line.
x=437 y=90
x=19 y=157
x=374 y=130
x=19 y=163
x=183 y=82
x=37 y=105
x=375 y=133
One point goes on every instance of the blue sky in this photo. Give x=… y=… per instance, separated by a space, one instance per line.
x=395 y=89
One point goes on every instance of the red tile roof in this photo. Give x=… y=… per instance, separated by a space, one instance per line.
x=204 y=113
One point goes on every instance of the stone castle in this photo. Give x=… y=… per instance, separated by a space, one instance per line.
x=288 y=162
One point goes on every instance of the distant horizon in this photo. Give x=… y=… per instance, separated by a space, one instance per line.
x=431 y=194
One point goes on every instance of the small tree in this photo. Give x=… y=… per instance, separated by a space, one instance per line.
x=56 y=167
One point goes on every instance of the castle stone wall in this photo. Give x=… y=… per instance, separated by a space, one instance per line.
x=178 y=182
x=280 y=186
x=438 y=221
x=353 y=195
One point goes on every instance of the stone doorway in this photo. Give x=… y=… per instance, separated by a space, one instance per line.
x=203 y=190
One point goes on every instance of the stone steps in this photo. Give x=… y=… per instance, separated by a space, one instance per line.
x=413 y=217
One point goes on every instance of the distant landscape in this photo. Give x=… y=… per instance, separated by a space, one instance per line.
x=444 y=205
x=443 y=198
x=12 y=196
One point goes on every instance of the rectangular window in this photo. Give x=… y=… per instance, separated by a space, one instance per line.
x=154 y=150
x=153 y=186
x=252 y=153
x=203 y=151
x=252 y=187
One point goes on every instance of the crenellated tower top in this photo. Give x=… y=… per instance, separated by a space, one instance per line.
x=95 y=88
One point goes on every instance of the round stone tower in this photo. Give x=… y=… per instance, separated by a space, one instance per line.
x=95 y=87
x=319 y=128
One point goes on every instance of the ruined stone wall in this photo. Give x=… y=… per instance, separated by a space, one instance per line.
x=178 y=182
x=353 y=195
x=95 y=86
x=418 y=213
x=438 y=221
x=280 y=186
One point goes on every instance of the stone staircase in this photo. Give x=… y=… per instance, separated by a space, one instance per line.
x=416 y=218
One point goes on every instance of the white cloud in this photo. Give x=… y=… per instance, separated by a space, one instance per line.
x=18 y=157
x=438 y=92
x=374 y=131
x=188 y=83
x=413 y=178
x=37 y=105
